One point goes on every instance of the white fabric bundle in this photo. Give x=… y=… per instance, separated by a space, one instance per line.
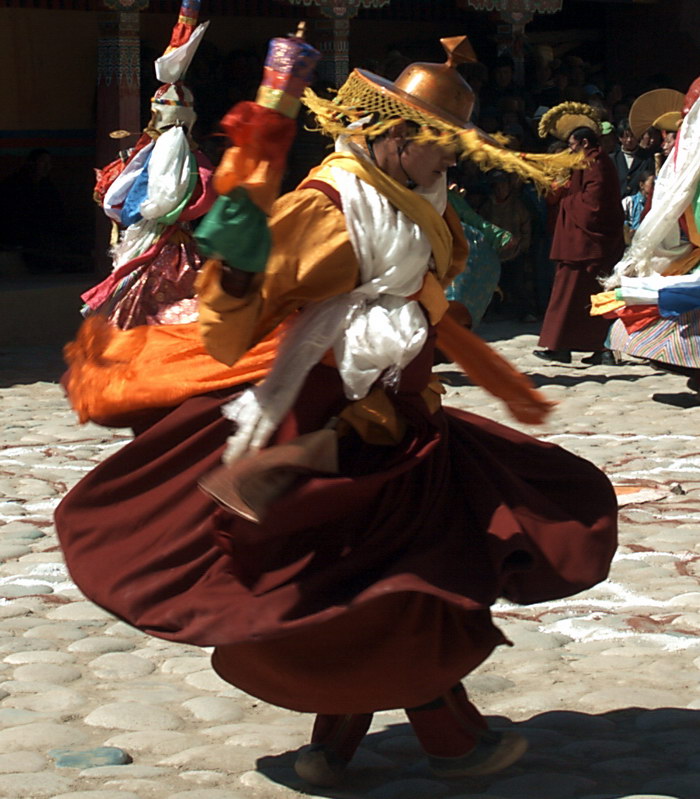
x=656 y=242
x=172 y=66
x=135 y=240
x=168 y=174
x=116 y=193
x=373 y=329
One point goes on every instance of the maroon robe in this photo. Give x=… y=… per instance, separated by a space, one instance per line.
x=588 y=241
x=362 y=591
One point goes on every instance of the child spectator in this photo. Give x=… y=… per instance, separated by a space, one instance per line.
x=634 y=204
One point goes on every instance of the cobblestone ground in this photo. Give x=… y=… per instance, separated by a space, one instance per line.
x=604 y=685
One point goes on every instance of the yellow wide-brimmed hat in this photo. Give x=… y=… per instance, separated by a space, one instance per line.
x=659 y=108
x=562 y=120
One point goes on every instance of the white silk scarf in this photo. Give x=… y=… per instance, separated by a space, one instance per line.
x=373 y=330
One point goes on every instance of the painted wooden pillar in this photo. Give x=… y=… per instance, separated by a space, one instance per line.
x=331 y=34
x=118 y=77
x=118 y=105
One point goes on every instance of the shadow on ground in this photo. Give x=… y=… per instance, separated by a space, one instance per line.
x=572 y=755
x=456 y=378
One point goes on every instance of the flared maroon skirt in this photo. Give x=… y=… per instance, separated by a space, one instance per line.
x=363 y=591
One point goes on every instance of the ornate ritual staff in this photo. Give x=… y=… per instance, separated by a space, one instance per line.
x=249 y=175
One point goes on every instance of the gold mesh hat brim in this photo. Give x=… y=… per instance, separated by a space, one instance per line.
x=366 y=96
x=650 y=106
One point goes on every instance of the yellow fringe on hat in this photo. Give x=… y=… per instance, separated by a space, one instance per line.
x=357 y=100
x=585 y=115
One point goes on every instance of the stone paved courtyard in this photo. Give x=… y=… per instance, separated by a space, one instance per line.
x=605 y=685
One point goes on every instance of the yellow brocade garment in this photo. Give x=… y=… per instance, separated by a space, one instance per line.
x=605 y=302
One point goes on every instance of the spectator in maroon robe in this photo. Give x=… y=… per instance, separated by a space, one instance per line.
x=588 y=240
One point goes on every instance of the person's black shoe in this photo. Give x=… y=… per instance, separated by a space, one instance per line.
x=678 y=400
x=604 y=358
x=561 y=356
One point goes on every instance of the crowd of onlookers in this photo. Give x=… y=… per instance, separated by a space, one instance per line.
x=515 y=110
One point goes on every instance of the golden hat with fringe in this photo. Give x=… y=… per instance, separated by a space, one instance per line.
x=659 y=108
x=562 y=120
x=439 y=101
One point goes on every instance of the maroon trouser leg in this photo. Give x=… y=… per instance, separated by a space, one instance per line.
x=450 y=726
x=341 y=734
x=447 y=727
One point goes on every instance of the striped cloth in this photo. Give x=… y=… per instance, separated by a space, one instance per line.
x=675 y=341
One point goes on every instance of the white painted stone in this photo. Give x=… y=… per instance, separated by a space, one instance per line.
x=45 y=557
x=263 y=784
x=120 y=666
x=201 y=777
x=121 y=629
x=185 y=665
x=12 y=609
x=47 y=672
x=100 y=644
x=11 y=551
x=11 y=590
x=151 y=693
x=229 y=759
x=55 y=700
x=57 y=631
x=28 y=786
x=79 y=611
x=214 y=708
x=21 y=762
x=41 y=736
x=133 y=716
x=127 y=770
x=159 y=742
x=210 y=681
x=12 y=717
x=689 y=599
x=39 y=656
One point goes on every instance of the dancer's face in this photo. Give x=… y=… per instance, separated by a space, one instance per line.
x=427 y=162
x=407 y=160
